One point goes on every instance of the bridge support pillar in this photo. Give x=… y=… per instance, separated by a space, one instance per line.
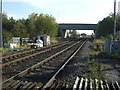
x=94 y=33
x=62 y=32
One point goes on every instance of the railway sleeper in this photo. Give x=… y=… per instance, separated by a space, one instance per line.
x=24 y=73
x=90 y=84
x=30 y=51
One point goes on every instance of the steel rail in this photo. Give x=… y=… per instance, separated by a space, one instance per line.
x=38 y=64
x=53 y=78
x=29 y=51
x=29 y=56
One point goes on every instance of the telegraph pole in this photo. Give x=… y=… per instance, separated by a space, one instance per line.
x=1 y=42
x=114 y=18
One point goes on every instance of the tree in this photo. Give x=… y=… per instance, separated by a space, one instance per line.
x=5 y=21
x=83 y=34
x=105 y=27
x=7 y=26
x=31 y=25
x=68 y=35
x=7 y=36
x=46 y=24
x=73 y=33
x=20 y=29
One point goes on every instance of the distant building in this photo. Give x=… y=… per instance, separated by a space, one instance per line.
x=119 y=7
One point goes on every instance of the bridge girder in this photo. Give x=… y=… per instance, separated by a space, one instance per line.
x=64 y=27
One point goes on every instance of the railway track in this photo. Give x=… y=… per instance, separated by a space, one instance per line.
x=13 y=67
x=39 y=74
x=85 y=84
x=66 y=79
x=13 y=57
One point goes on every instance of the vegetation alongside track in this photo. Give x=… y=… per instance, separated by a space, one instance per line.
x=34 y=25
x=93 y=70
x=99 y=50
x=94 y=67
x=105 y=26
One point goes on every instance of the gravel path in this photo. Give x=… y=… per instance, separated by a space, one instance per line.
x=111 y=68
x=76 y=67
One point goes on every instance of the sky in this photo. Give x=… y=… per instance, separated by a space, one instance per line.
x=65 y=11
x=119 y=7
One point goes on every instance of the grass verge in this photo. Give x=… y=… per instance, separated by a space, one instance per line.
x=93 y=70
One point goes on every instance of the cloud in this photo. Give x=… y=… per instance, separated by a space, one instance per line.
x=92 y=15
x=12 y=15
x=84 y=11
x=78 y=11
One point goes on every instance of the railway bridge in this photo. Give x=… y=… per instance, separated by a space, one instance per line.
x=72 y=26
